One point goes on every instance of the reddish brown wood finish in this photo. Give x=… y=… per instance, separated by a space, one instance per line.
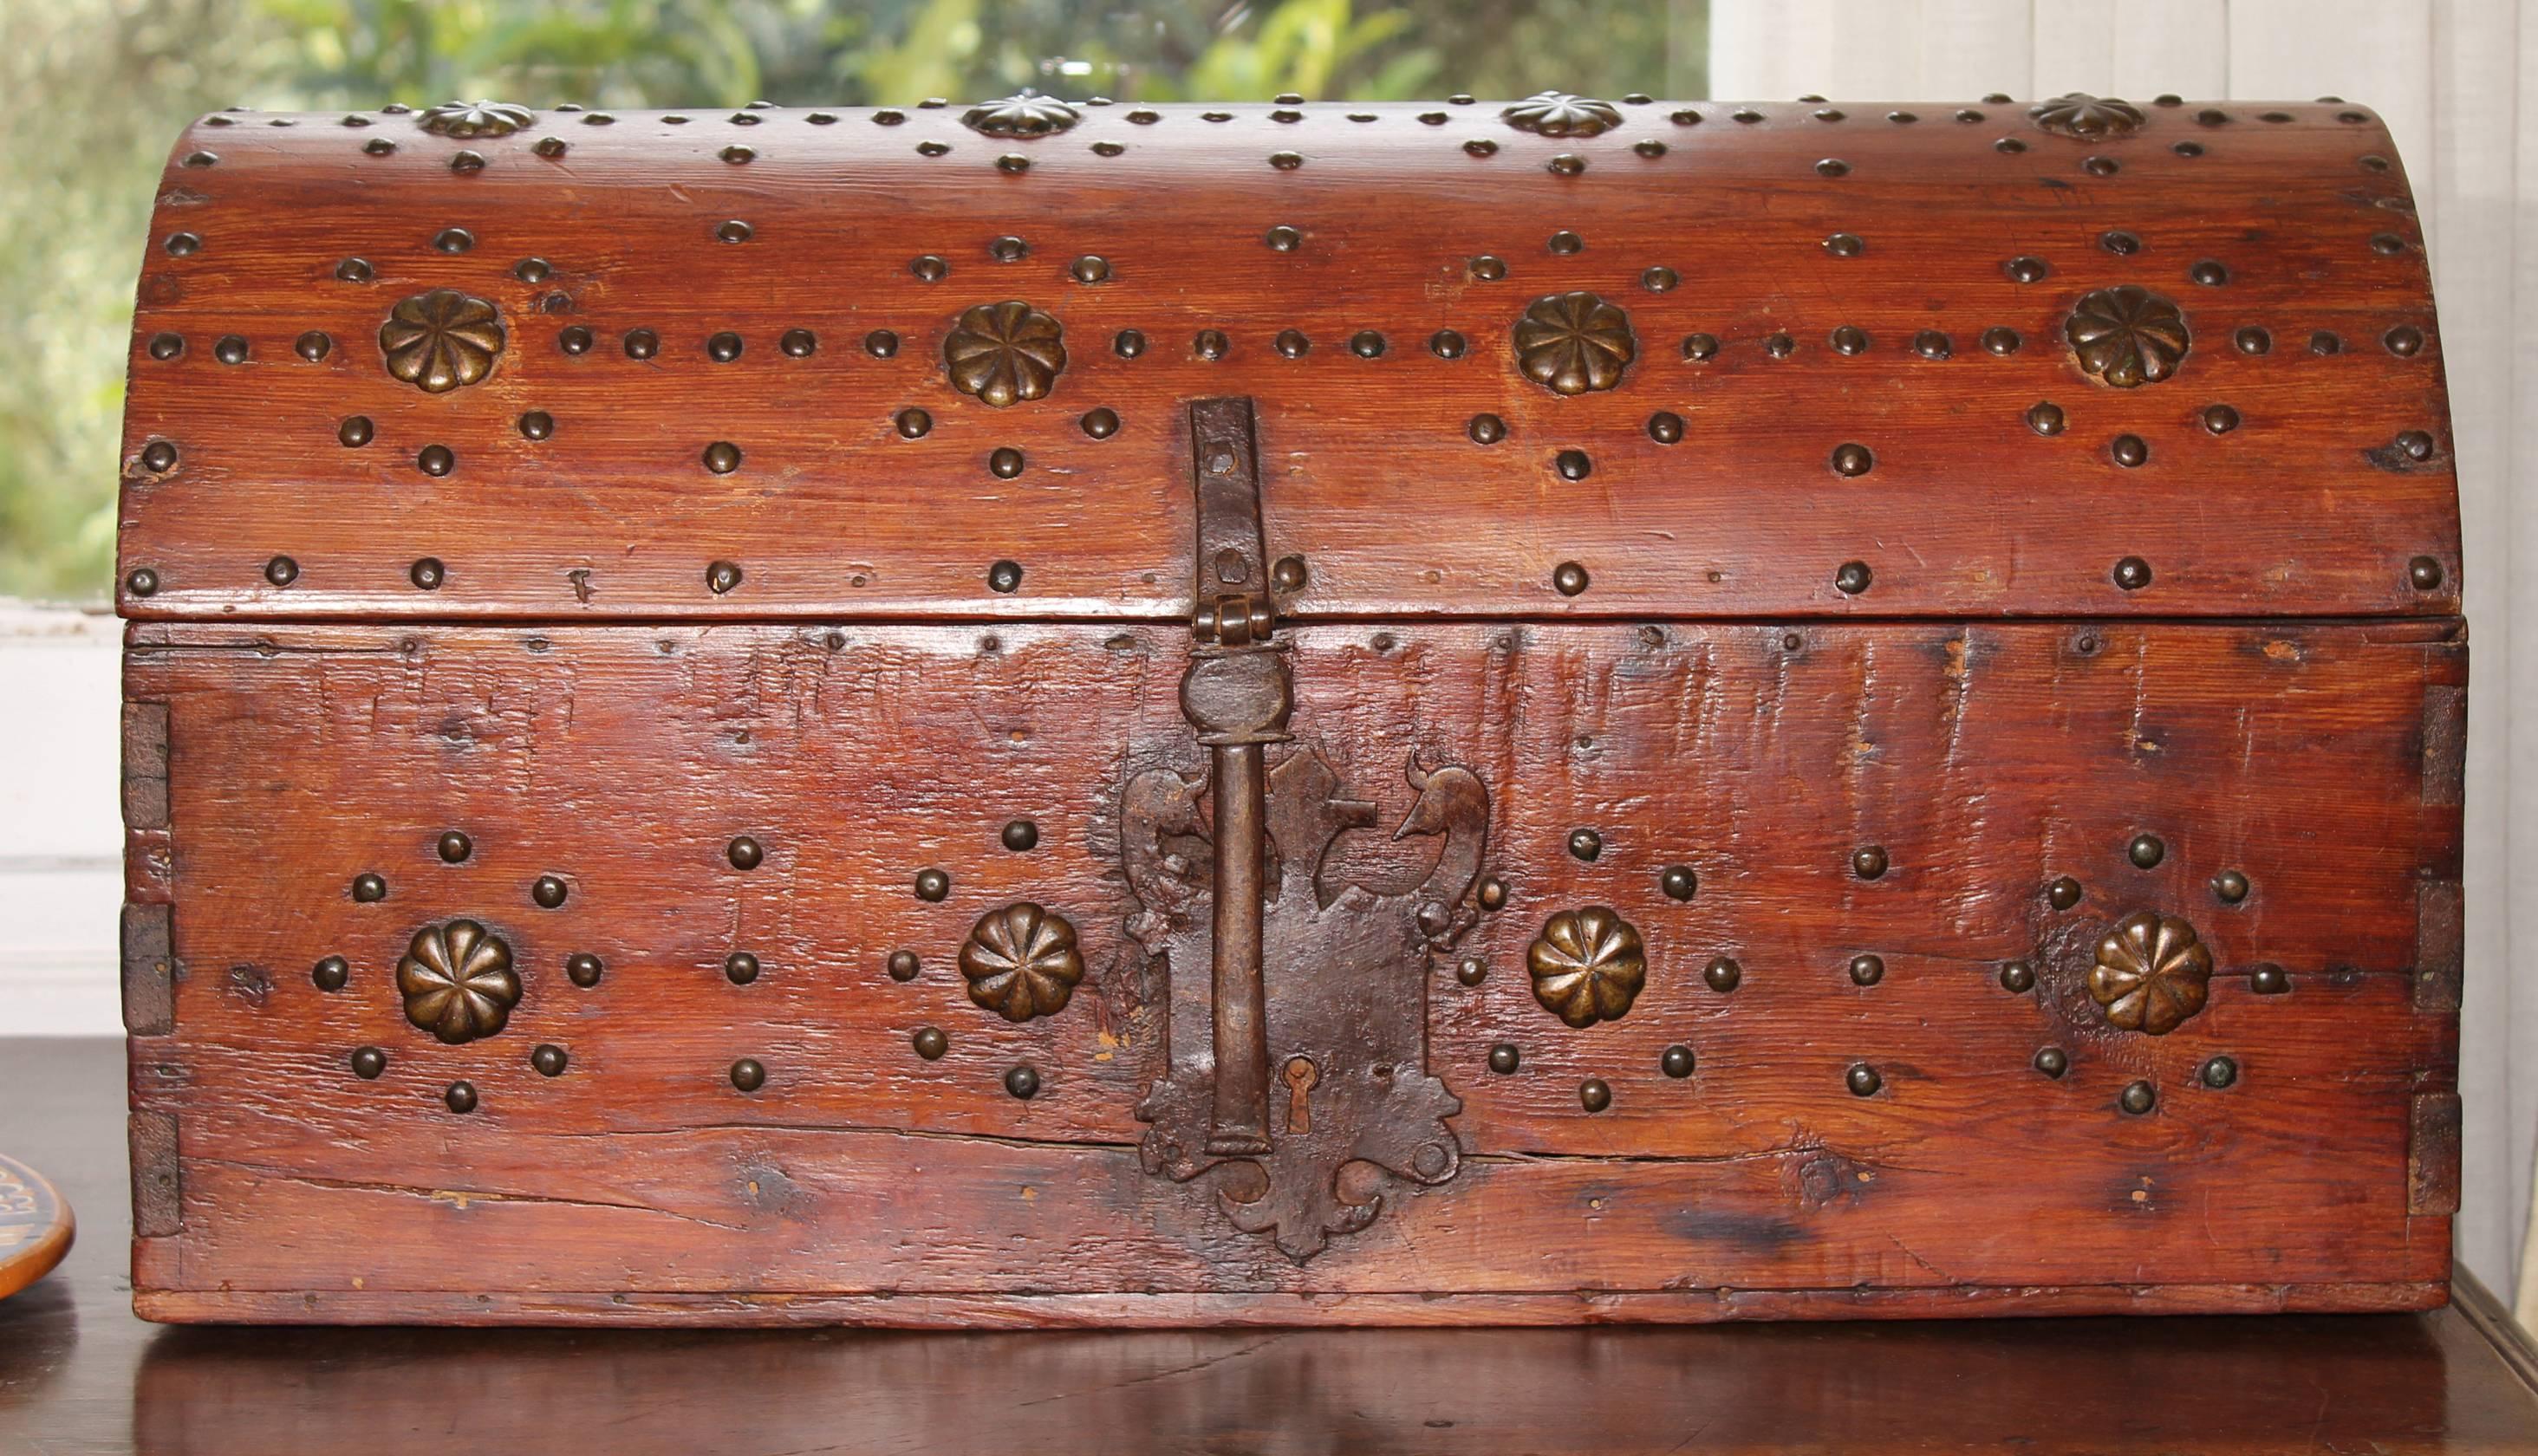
x=864 y=1183
x=2307 y=507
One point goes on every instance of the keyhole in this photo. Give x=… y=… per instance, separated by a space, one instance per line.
x=1301 y=1074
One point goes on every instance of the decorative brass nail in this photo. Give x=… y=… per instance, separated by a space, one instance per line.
x=2152 y=972
x=1588 y=965
x=458 y=981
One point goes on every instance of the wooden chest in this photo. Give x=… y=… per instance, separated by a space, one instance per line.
x=1068 y=712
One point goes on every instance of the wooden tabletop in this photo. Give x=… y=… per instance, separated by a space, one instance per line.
x=77 y=1374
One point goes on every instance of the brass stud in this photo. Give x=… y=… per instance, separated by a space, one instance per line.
x=1649 y=148
x=455 y=846
x=1480 y=147
x=2044 y=417
x=368 y=888
x=722 y=577
x=2404 y=341
x=2063 y=892
x=642 y=344
x=1005 y=577
x=1594 y=1095
x=1851 y=460
x=164 y=347
x=426 y=574
x=2001 y=342
x=1869 y=862
x=2220 y=419
x=2026 y=270
x=549 y=1059
x=1867 y=969
x=739 y=156
x=1288 y=574
x=2219 y=1072
x=330 y=973
x=1283 y=238
x=2187 y=149
x=2387 y=245
x=1470 y=970
x=740 y=968
x=1487 y=268
x=1446 y=344
x=2229 y=887
x=1833 y=166
x=1128 y=344
x=1676 y=1060
x=2414 y=445
x=1008 y=249
x=1862 y=1080
x=1779 y=346
x=2252 y=340
x=1291 y=344
x=1573 y=465
x=2099 y=166
x=1566 y=243
x=2146 y=851
x=436 y=460
x=1659 y=280
x=1699 y=348
x=159 y=456
x=912 y=423
x=574 y=340
x=1723 y=974
x=2017 y=978
x=748 y=1074
x=1853 y=578
x=930 y=1042
x=2132 y=573
x=550 y=148
x=1570 y=579
x=929 y=268
x=798 y=344
x=368 y=1062
x=282 y=571
x=1210 y=344
x=2128 y=450
x=1585 y=844
x=202 y=158
x=1493 y=894
x=2209 y=273
x=932 y=885
x=1101 y=422
x=744 y=853
x=2268 y=979
x=1844 y=246
x=881 y=343
x=901 y=965
x=467 y=163
x=1004 y=462
x=230 y=350
x=2052 y=1061
x=1565 y=164
x=722 y=457
x=453 y=239
x=1089 y=269
x=733 y=231
x=724 y=347
x=1286 y=160
x=548 y=891
x=461 y=1098
x=379 y=146
x=2423 y=572
x=1932 y=345
x=583 y=969
x=1850 y=340
x=1678 y=881
x=1665 y=428
x=1021 y=835
x=2009 y=146
x=312 y=346
x=1367 y=344
x=1487 y=430
x=183 y=244
x=1503 y=1058
x=1023 y=1081
x=2138 y=1098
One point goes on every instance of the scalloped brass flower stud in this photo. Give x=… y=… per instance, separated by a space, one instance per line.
x=458 y=981
x=463 y=119
x=1557 y=114
x=1573 y=343
x=2086 y=117
x=1022 y=961
x=2128 y=336
x=1024 y=113
x=441 y=340
x=1005 y=352
x=2152 y=973
x=1588 y=965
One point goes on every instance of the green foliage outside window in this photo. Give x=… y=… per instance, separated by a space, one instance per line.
x=101 y=88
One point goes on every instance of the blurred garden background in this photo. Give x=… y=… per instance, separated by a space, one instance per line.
x=99 y=90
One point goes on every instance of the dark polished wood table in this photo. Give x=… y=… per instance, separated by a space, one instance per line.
x=77 y=1374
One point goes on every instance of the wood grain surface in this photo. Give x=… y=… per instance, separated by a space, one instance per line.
x=2309 y=507
x=863 y=1182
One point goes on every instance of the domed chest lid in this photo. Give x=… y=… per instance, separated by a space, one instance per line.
x=1560 y=356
